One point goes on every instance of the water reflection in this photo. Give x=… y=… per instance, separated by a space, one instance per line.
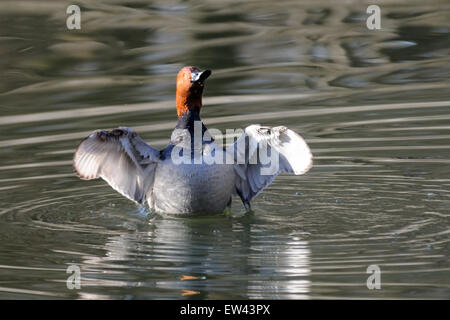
x=211 y=256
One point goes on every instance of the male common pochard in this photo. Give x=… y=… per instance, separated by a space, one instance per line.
x=192 y=174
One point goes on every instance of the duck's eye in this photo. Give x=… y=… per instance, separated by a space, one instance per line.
x=195 y=76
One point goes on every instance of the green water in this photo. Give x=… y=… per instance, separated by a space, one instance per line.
x=373 y=105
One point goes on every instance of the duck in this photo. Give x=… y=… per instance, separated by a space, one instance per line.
x=193 y=174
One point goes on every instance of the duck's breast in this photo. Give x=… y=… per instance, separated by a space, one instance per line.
x=192 y=188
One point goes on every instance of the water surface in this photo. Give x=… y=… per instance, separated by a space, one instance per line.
x=373 y=105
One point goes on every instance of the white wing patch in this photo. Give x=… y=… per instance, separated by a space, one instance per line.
x=121 y=158
x=255 y=171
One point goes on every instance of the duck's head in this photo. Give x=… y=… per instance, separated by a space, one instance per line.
x=190 y=82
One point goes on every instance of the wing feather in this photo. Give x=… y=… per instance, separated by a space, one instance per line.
x=254 y=152
x=121 y=158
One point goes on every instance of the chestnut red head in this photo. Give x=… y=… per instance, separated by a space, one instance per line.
x=190 y=83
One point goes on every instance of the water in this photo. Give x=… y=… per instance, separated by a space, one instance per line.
x=373 y=105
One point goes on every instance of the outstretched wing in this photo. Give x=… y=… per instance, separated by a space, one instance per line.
x=121 y=158
x=262 y=153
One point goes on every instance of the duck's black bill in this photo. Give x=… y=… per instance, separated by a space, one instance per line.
x=200 y=76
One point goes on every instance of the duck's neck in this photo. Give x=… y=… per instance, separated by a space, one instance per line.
x=187 y=121
x=191 y=122
x=188 y=100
